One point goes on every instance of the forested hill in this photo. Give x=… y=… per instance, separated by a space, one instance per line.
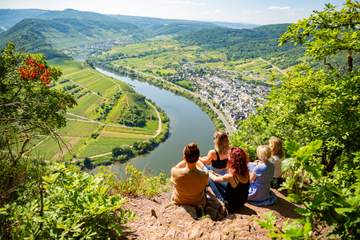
x=246 y=43
x=9 y=17
x=51 y=32
x=38 y=35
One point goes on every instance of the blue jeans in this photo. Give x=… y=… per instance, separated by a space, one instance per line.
x=219 y=188
x=216 y=170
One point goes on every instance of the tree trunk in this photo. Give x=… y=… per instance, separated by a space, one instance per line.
x=350 y=61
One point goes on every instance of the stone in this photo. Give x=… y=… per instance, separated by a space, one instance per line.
x=153 y=213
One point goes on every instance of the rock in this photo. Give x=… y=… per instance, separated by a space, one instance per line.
x=215 y=236
x=196 y=232
x=170 y=234
x=153 y=213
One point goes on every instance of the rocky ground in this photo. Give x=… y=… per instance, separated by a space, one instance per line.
x=157 y=218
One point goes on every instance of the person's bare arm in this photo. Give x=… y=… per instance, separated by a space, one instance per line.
x=252 y=177
x=207 y=159
x=218 y=178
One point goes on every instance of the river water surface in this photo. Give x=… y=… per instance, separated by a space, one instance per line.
x=188 y=123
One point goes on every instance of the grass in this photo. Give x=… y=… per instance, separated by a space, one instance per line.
x=78 y=129
x=105 y=144
x=84 y=134
x=164 y=57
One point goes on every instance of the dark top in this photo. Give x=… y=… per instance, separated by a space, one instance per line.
x=236 y=197
x=218 y=163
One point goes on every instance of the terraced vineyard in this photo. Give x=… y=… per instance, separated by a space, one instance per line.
x=166 y=57
x=93 y=127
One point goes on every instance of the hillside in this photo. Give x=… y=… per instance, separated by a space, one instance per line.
x=40 y=35
x=158 y=218
x=52 y=31
x=108 y=114
x=9 y=17
x=246 y=43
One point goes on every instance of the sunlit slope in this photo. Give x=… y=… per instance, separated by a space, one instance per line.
x=96 y=125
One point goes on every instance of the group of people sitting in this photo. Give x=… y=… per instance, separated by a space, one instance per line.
x=228 y=173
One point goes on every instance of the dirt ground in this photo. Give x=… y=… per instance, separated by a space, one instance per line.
x=157 y=218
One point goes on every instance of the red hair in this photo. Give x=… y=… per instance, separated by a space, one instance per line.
x=237 y=162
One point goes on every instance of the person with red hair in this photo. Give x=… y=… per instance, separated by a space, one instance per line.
x=233 y=187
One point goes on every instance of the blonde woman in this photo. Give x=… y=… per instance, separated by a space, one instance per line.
x=217 y=158
x=261 y=174
x=277 y=155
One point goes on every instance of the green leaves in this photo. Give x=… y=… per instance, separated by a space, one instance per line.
x=295 y=229
x=76 y=205
x=136 y=183
x=328 y=32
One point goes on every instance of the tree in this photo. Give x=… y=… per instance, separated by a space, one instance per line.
x=312 y=103
x=316 y=110
x=329 y=32
x=28 y=107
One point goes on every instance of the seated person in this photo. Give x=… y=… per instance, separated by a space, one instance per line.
x=233 y=187
x=188 y=179
x=277 y=155
x=217 y=158
x=261 y=174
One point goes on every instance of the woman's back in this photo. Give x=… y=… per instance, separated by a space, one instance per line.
x=237 y=191
x=220 y=162
x=260 y=188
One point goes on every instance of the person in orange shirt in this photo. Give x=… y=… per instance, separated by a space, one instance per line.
x=189 y=179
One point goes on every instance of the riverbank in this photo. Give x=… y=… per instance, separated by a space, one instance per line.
x=125 y=152
x=217 y=117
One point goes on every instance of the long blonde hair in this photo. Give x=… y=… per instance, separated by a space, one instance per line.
x=221 y=142
x=276 y=147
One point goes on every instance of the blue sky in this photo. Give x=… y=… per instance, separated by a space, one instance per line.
x=254 y=11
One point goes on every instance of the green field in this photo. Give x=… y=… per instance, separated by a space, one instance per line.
x=166 y=57
x=90 y=131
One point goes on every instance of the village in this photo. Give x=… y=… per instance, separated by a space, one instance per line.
x=235 y=97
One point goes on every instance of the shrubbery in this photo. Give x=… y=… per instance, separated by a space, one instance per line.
x=136 y=183
x=38 y=199
x=65 y=203
x=317 y=112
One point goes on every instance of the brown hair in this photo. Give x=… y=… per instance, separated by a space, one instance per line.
x=237 y=163
x=263 y=152
x=221 y=142
x=276 y=147
x=191 y=153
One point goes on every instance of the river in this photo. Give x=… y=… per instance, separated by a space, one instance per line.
x=188 y=123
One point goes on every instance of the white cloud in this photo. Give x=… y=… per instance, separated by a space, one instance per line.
x=279 y=8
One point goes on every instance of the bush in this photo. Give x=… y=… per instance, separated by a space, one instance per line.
x=72 y=204
x=136 y=183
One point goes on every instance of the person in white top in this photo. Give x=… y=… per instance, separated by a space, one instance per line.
x=277 y=155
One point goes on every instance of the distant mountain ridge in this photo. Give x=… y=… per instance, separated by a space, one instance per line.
x=53 y=32
x=42 y=31
x=9 y=17
x=260 y=41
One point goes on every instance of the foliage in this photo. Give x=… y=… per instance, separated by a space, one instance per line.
x=72 y=204
x=317 y=112
x=296 y=229
x=246 y=43
x=28 y=107
x=136 y=183
x=328 y=32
